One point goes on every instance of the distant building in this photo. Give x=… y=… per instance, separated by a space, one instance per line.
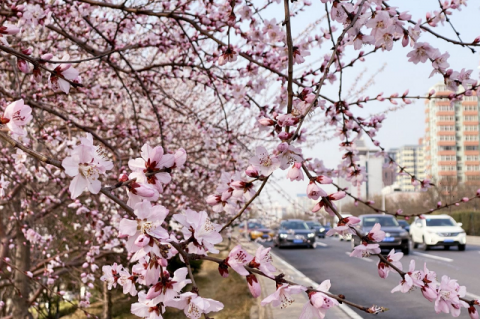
x=389 y=174
x=410 y=157
x=301 y=205
x=374 y=169
x=452 y=138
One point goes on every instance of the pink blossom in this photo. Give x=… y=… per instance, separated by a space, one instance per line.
x=375 y=234
x=318 y=303
x=394 y=259
x=167 y=288
x=406 y=284
x=254 y=286
x=314 y=191
x=111 y=274
x=421 y=53
x=201 y=228
x=263 y=261
x=146 y=308
x=194 y=306
x=3 y=185
x=282 y=296
x=85 y=165
x=295 y=173
x=62 y=74
x=365 y=250
x=448 y=299
x=343 y=226
x=16 y=115
x=7 y=30
x=264 y=162
x=238 y=258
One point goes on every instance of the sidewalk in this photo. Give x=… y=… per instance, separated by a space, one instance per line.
x=473 y=240
x=295 y=309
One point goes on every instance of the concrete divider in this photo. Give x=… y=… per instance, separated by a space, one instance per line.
x=473 y=240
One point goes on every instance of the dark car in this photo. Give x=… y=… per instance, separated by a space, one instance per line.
x=319 y=229
x=294 y=232
x=395 y=236
x=404 y=224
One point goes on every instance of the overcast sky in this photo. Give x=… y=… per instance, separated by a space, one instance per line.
x=407 y=125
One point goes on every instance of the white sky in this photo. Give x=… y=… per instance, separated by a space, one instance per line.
x=407 y=125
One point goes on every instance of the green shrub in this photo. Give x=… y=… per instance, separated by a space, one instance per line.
x=470 y=221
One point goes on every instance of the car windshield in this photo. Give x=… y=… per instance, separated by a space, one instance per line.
x=402 y=223
x=254 y=225
x=294 y=225
x=384 y=221
x=311 y=224
x=434 y=222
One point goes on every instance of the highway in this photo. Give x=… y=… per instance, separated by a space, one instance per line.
x=358 y=279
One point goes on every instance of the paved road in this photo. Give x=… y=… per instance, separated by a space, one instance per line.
x=358 y=279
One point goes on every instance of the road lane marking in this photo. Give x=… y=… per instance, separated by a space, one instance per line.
x=364 y=259
x=433 y=257
x=320 y=244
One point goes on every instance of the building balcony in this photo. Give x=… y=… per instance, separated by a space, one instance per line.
x=472 y=163
x=453 y=152
x=447 y=163
x=470 y=123
x=444 y=123
x=446 y=143
x=470 y=143
x=447 y=173
x=470 y=112
x=472 y=173
x=445 y=113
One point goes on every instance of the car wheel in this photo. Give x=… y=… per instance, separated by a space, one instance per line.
x=406 y=250
x=311 y=247
x=415 y=245
x=251 y=238
x=425 y=246
x=462 y=247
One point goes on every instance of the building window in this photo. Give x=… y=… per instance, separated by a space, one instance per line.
x=470 y=118
x=446 y=118
x=469 y=128
x=446 y=148
x=473 y=168
x=447 y=168
x=472 y=158
x=470 y=137
x=446 y=128
x=471 y=148
x=469 y=107
x=446 y=138
x=447 y=158
x=445 y=107
x=473 y=177
x=470 y=98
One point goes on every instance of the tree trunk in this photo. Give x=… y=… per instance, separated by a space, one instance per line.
x=20 y=302
x=107 y=302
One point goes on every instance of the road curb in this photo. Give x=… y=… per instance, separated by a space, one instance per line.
x=341 y=312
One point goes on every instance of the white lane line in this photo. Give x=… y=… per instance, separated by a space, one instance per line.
x=346 y=309
x=320 y=244
x=433 y=257
x=364 y=259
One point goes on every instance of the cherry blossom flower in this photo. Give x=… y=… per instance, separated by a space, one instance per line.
x=265 y=163
x=407 y=282
x=127 y=281
x=375 y=234
x=17 y=115
x=343 y=226
x=448 y=299
x=314 y=191
x=230 y=55
x=238 y=258
x=85 y=164
x=146 y=308
x=194 y=306
x=3 y=185
x=421 y=53
x=318 y=303
x=394 y=259
x=111 y=274
x=200 y=228
x=282 y=296
x=7 y=30
x=365 y=250
x=146 y=227
x=263 y=261
x=152 y=160
x=62 y=74
x=168 y=288
x=254 y=286
x=295 y=173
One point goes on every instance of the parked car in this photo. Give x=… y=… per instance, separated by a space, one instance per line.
x=294 y=232
x=404 y=224
x=395 y=236
x=319 y=229
x=346 y=237
x=438 y=230
x=256 y=230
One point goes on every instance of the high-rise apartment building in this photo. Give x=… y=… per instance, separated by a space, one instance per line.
x=411 y=158
x=452 y=138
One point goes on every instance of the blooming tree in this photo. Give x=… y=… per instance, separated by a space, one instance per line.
x=161 y=124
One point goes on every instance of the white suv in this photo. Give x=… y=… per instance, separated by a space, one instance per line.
x=437 y=230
